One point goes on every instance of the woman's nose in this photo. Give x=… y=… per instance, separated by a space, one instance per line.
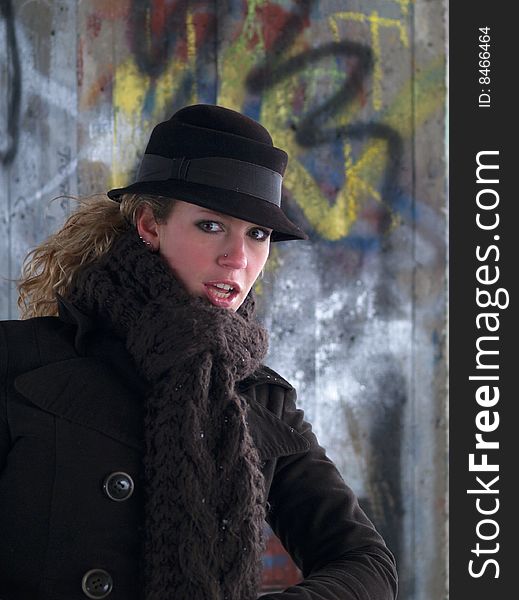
x=234 y=254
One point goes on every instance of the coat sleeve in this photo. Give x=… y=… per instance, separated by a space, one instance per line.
x=318 y=519
x=4 y=430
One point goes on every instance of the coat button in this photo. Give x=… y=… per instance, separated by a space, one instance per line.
x=118 y=486
x=97 y=584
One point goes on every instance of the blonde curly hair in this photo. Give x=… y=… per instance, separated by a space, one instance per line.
x=86 y=235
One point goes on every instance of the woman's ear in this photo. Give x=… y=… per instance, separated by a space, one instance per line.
x=147 y=227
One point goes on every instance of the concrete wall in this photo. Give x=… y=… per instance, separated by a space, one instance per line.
x=355 y=92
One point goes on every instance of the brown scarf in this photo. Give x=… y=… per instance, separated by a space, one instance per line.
x=204 y=491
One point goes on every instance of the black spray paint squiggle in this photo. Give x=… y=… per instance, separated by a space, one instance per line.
x=14 y=84
x=311 y=129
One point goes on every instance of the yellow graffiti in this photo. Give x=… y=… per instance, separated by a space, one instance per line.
x=129 y=96
x=191 y=37
x=417 y=100
x=404 y=5
x=239 y=58
x=130 y=89
x=334 y=222
x=271 y=266
x=375 y=23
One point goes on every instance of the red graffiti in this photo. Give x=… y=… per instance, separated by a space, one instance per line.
x=274 y=20
x=279 y=571
x=79 y=63
x=94 y=25
x=158 y=31
x=110 y=10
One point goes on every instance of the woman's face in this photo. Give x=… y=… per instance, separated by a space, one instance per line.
x=213 y=255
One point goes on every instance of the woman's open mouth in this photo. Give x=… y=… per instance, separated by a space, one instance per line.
x=221 y=294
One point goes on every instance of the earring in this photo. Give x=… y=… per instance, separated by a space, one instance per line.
x=147 y=242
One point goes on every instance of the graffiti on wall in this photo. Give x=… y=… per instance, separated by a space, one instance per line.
x=331 y=95
x=268 y=69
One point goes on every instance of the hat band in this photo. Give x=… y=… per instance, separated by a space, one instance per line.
x=224 y=173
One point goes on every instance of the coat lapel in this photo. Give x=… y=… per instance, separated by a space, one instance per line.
x=87 y=392
x=271 y=436
x=99 y=389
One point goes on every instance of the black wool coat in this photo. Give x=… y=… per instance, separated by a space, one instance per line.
x=71 y=498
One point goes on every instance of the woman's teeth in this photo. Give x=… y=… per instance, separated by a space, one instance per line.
x=224 y=290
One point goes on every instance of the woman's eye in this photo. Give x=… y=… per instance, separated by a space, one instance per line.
x=260 y=234
x=210 y=226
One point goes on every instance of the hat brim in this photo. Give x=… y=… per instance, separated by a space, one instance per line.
x=229 y=202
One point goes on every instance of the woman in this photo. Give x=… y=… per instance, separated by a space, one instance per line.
x=143 y=442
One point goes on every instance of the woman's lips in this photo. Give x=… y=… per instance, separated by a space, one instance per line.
x=221 y=294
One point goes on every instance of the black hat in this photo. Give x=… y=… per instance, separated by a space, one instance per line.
x=219 y=159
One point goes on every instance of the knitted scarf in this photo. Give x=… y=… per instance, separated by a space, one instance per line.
x=204 y=491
